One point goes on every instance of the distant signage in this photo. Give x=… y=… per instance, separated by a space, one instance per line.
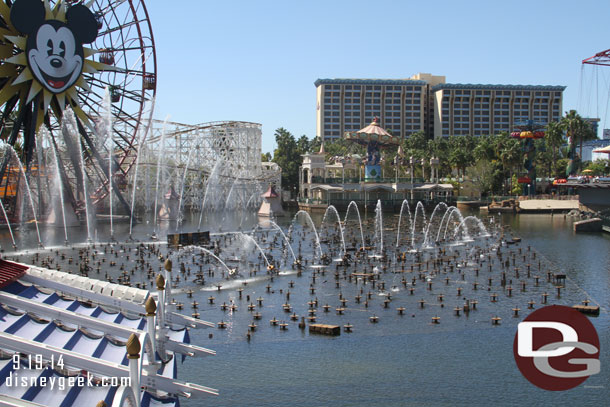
x=606 y=134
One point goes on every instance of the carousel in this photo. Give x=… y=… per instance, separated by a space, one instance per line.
x=374 y=137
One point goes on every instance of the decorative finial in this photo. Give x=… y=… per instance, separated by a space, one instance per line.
x=168 y=265
x=151 y=307
x=101 y=403
x=160 y=282
x=133 y=347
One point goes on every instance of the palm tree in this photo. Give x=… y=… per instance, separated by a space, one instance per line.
x=554 y=138
x=585 y=133
x=577 y=130
x=511 y=155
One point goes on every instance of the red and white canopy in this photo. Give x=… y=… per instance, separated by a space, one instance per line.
x=372 y=132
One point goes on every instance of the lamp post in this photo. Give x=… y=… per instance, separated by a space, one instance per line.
x=423 y=169
x=396 y=170
x=434 y=163
x=412 y=163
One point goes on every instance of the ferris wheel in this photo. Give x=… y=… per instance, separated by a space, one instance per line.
x=75 y=59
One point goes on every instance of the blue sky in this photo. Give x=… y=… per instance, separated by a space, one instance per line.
x=257 y=60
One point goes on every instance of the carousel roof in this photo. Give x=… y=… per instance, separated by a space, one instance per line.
x=89 y=324
x=603 y=150
x=373 y=133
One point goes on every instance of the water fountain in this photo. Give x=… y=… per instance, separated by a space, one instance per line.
x=10 y=150
x=353 y=205
x=249 y=238
x=105 y=134
x=210 y=182
x=135 y=183
x=154 y=235
x=438 y=207
x=286 y=240
x=404 y=204
x=69 y=129
x=318 y=247
x=58 y=184
x=419 y=210
x=186 y=168
x=333 y=210
x=379 y=228
x=8 y=224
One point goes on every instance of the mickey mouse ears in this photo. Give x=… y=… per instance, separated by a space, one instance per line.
x=82 y=23
x=27 y=15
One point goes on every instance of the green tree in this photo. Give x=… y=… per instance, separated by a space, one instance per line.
x=342 y=147
x=578 y=131
x=511 y=155
x=314 y=145
x=416 y=144
x=486 y=176
x=516 y=188
x=303 y=144
x=554 y=139
x=461 y=152
x=266 y=157
x=440 y=148
x=288 y=157
x=544 y=158
x=485 y=149
x=598 y=167
x=560 y=171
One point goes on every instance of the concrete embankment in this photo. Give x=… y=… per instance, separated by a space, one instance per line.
x=588 y=225
x=547 y=205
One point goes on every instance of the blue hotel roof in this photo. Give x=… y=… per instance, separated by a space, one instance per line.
x=492 y=87
x=369 y=82
x=347 y=81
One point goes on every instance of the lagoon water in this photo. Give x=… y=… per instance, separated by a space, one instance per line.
x=406 y=361
x=402 y=360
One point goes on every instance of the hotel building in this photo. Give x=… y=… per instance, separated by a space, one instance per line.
x=351 y=104
x=480 y=110
x=426 y=103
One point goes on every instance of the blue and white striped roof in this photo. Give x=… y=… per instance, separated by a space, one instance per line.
x=90 y=335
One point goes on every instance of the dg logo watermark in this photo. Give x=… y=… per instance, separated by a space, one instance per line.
x=556 y=348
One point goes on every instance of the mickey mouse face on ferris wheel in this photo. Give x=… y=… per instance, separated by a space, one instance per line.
x=54 y=48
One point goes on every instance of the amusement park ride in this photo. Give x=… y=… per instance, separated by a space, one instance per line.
x=374 y=138
x=61 y=55
x=528 y=131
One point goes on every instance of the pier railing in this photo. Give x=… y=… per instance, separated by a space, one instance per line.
x=339 y=180
x=500 y=198
x=487 y=199
x=548 y=196
x=386 y=203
